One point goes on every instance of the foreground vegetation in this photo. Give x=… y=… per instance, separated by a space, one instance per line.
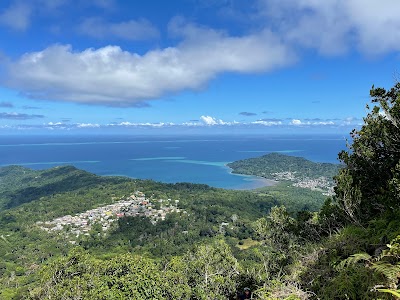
x=280 y=246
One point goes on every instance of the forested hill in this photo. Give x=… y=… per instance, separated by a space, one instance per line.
x=269 y=165
x=46 y=213
x=300 y=172
x=20 y=185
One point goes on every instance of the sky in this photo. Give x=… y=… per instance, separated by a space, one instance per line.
x=193 y=66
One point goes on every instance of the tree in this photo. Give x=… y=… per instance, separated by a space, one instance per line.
x=212 y=271
x=369 y=183
x=80 y=276
x=275 y=231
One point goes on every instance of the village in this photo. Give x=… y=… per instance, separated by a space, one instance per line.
x=316 y=184
x=134 y=205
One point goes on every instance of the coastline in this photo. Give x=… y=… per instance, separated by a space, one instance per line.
x=254 y=182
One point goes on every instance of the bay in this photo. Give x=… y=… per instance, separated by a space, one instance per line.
x=195 y=159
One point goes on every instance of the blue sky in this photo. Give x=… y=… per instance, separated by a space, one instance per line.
x=193 y=66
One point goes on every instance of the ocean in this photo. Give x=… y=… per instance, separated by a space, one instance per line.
x=195 y=159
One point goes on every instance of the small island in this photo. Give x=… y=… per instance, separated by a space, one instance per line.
x=299 y=171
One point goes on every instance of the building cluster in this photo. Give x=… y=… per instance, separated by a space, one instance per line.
x=316 y=184
x=134 y=205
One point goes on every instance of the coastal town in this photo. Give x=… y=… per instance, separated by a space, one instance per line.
x=135 y=205
x=321 y=184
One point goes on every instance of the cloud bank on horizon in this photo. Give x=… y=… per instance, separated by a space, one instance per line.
x=204 y=123
x=113 y=76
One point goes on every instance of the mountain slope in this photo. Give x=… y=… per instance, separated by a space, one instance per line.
x=20 y=185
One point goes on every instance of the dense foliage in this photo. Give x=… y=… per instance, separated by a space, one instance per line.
x=30 y=196
x=370 y=183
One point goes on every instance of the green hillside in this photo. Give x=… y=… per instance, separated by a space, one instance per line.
x=20 y=185
x=30 y=198
x=300 y=172
x=270 y=164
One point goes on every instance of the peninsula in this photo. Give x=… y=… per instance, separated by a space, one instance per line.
x=299 y=171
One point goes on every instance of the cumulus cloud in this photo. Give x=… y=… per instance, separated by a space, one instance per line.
x=208 y=120
x=19 y=116
x=211 y=121
x=112 y=76
x=333 y=27
x=16 y=16
x=247 y=114
x=6 y=104
x=295 y=122
x=140 y=29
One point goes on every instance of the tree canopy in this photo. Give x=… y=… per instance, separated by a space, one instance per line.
x=369 y=184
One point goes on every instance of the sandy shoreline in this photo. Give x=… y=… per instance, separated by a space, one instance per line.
x=254 y=182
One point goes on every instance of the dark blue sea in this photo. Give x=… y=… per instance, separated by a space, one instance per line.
x=196 y=159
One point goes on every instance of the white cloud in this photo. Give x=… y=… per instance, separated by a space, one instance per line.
x=208 y=120
x=335 y=26
x=267 y=123
x=147 y=124
x=130 y=30
x=296 y=122
x=124 y=124
x=324 y=123
x=111 y=76
x=16 y=16
x=192 y=124
x=87 y=125
x=204 y=122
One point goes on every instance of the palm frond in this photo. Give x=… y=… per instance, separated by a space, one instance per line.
x=391 y=272
x=395 y=293
x=353 y=259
